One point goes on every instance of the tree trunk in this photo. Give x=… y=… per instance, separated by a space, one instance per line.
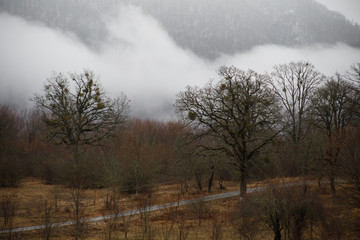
x=198 y=182
x=107 y=198
x=277 y=235
x=332 y=185
x=242 y=183
x=211 y=178
x=277 y=229
x=221 y=186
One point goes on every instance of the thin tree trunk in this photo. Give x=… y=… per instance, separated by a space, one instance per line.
x=242 y=184
x=198 y=182
x=221 y=186
x=332 y=185
x=107 y=198
x=277 y=235
x=211 y=178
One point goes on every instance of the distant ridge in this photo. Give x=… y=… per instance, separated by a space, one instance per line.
x=209 y=28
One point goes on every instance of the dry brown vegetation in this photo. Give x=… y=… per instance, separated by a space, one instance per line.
x=220 y=219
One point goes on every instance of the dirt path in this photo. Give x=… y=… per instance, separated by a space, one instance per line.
x=153 y=208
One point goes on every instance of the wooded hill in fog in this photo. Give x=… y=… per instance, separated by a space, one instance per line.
x=207 y=27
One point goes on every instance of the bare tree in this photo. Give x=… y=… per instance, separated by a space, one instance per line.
x=240 y=112
x=8 y=209
x=47 y=212
x=79 y=228
x=245 y=220
x=294 y=84
x=333 y=111
x=33 y=127
x=169 y=217
x=139 y=155
x=201 y=164
x=109 y=175
x=350 y=163
x=111 y=220
x=81 y=114
x=273 y=212
x=144 y=203
x=218 y=225
x=353 y=75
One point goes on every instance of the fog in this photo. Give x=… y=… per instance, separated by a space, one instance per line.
x=349 y=8
x=139 y=59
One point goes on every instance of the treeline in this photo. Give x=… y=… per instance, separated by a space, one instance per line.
x=291 y=122
x=143 y=153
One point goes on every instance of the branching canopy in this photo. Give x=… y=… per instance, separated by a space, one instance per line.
x=79 y=114
x=294 y=84
x=240 y=112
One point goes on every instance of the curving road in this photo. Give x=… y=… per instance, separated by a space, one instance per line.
x=152 y=208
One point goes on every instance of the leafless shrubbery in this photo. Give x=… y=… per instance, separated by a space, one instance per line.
x=183 y=228
x=333 y=225
x=217 y=225
x=47 y=211
x=350 y=164
x=144 y=203
x=111 y=218
x=286 y=210
x=8 y=209
x=245 y=221
x=117 y=218
x=198 y=210
x=169 y=217
x=8 y=206
x=79 y=229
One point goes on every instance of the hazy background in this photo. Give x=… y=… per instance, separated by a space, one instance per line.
x=349 y=8
x=139 y=57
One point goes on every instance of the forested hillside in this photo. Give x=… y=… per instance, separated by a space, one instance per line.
x=208 y=28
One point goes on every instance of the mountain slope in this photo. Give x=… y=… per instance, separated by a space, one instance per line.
x=210 y=28
x=207 y=27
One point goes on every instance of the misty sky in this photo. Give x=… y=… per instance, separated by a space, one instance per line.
x=140 y=59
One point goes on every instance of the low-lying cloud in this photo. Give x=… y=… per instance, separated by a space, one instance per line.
x=139 y=58
x=328 y=59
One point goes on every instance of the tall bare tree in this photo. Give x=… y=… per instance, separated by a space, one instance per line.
x=333 y=110
x=79 y=114
x=350 y=163
x=294 y=84
x=353 y=75
x=239 y=111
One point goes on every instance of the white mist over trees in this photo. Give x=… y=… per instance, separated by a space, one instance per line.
x=131 y=48
x=208 y=28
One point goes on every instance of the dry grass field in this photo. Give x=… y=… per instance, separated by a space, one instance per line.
x=36 y=203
